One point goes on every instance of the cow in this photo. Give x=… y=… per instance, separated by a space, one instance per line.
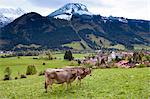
x=65 y=75
x=59 y=76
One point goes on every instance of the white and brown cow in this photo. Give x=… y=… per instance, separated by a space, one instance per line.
x=66 y=75
x=59 y=76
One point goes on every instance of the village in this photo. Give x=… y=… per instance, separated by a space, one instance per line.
x=122 y=59
x=99 y=58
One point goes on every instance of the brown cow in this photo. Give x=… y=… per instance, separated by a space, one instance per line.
x=59 y=76
x=66 y=75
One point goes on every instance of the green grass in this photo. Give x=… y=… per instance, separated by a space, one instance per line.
x=140 y=47
x=74 y=55
x=105 y=43
x=20 y=64
x=118 y=46
x=103 y=84
x=75 y=45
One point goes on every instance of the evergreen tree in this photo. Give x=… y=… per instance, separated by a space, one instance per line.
x=68 y=55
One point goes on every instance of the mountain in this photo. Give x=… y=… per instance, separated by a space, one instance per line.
x=7 y=15
x=81 y=32
x=70 y=9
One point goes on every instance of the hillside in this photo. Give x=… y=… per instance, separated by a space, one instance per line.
x=88 y=31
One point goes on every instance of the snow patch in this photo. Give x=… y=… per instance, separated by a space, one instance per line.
x=63 y=16
x=7 y=15
x=69 y=9
x=123 y=20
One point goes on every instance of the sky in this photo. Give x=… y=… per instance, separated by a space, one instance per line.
x=132 y=9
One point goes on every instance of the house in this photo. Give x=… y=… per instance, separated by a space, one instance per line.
x=125 y=64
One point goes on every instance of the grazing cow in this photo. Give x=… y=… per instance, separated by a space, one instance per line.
x=59 y=76
x=66 y=75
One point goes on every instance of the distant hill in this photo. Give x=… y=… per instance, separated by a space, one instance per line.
x=80 y=31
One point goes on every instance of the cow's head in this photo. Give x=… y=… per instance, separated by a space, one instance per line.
x=88 y=71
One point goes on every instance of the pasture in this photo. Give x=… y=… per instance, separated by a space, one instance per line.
x=104 y=83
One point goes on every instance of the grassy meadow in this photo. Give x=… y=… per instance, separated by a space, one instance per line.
x=115 y=83
x=20 y=64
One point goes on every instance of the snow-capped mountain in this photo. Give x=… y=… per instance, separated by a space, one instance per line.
x=7 y=15
x=69 y=9
x=83 y=28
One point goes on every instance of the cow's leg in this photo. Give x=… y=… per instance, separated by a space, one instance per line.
x=70 y=85
x=62 y=84
x=78 y=82
x=67 y=85
x=46 y=86
x=48 y=83
x=51 y=83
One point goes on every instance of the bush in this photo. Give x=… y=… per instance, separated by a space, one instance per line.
x=43 y=63
x=16 y=78
x=49 y=54
x=31 y=70
x=35 y=58
x=23 y=76
x=41 y=73
x=141 y=66
x=68 y=55
x=73 y=63
x=7 y=73
x=7 y=77
x=79 y=62
x=88 y=65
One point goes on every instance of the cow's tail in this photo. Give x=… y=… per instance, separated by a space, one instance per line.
x=45 y=83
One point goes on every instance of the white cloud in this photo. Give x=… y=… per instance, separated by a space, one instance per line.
x=126 y=8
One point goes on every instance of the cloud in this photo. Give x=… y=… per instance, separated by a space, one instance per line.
x=11 y=3
x=59 y=3
x=126 y=8
x=49 y=3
